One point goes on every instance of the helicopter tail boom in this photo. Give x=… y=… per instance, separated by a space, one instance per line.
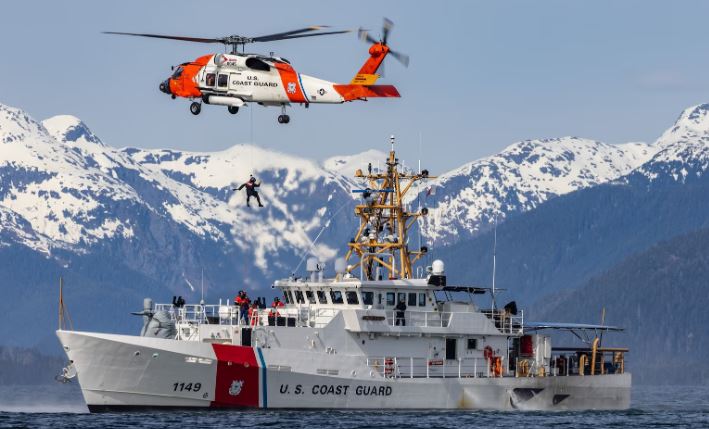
x=357 y=92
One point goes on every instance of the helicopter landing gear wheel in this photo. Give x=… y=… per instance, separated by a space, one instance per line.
x=283 y=118
x=195 y=108
x=233 y=109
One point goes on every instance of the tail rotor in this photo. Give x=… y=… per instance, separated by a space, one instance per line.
x=386 y=30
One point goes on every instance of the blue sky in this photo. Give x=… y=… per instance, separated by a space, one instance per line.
x=482 y=76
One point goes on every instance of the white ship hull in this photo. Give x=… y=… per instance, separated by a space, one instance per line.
x=127 y=372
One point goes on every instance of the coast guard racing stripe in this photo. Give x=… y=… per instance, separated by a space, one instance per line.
x=237 y=383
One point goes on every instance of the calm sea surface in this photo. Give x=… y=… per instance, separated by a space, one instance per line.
x=58 y=406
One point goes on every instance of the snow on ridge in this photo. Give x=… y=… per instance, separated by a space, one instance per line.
x=521 y=177
x=683 y=149
x=346 y=165
x=70 y=130
x=73 y=184
x=231 y=166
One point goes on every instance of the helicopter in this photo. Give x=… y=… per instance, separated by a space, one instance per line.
x=236 y=78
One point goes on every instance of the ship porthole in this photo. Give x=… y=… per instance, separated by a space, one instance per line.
x=155 y=355
x=136 y=353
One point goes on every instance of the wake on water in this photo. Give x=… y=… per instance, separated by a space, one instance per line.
x=57 y=406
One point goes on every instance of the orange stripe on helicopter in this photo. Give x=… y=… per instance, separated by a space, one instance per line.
x=356 y=92
x=290 y=83
x=186 y=84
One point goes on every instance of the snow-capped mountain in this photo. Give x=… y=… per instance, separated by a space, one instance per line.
x=469 y=199
x=683 y=150
x=62 y=188
x=347 y=165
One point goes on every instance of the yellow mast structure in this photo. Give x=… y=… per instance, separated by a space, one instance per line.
x=382 y=237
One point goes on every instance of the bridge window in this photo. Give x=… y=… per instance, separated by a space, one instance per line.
x=368 y=298
x=322 y=298
x=310 y=296
x=351 y=297
x=422 y=300
x=336 y=297
x=472 y=344
x=257 y=64
x=299 y=297
x=412 y=300
x=211 y=79
x=223 y=80
x=288 y=297
x=391 y=297
x=402 y=297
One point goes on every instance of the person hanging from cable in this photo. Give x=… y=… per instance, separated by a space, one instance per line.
x=251 y=191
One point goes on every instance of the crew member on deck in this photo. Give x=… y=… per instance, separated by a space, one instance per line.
x=242 y=301
x=274 y=314
x=251 y=186
x=400 y=313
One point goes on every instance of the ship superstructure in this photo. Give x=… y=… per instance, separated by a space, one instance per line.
x=384 y=332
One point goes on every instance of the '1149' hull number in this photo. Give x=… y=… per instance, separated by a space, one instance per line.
x=186 y=387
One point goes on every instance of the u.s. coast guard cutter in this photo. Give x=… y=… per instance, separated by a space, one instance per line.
x=347 y=342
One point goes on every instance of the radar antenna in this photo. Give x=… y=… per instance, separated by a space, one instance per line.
x=382 y=238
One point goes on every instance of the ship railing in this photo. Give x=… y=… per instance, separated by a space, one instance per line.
x=421 y=319
x=421 y=367
x=203 y=314
x=505 y=322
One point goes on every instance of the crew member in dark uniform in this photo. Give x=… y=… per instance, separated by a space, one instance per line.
x=400 y=313
x=251 y=191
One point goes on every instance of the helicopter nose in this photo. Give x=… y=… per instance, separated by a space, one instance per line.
x=165 y=86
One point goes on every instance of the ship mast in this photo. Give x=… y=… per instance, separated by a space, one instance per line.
x=382 y=237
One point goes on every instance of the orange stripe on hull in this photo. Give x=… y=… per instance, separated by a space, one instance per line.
x=356 y=92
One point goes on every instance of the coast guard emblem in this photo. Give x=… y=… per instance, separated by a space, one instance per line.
x=235 y=388
x=291 y=87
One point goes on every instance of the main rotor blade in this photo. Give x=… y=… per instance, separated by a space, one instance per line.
x=386 y=28
x=364 y=35
x=297 y=36
x=403 y=58
x=289 y=33
x=161 y=36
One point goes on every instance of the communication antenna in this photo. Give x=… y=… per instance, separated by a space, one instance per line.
x=201 y=301
x=603 y=322
x=494 y=263
x=63 y=312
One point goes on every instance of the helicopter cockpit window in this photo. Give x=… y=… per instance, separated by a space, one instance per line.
x=256 y=64
x=211 y=79
x=177 y=73
x=223 y=80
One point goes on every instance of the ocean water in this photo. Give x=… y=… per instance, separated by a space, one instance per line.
x=60 y=406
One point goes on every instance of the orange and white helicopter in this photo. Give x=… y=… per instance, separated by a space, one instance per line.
x=235 y=79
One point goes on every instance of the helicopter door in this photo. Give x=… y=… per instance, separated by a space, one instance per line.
x=222 y=82
x=234 y=79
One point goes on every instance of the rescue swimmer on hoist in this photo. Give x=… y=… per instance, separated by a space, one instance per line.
x=251 y=191
x=238 y=78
